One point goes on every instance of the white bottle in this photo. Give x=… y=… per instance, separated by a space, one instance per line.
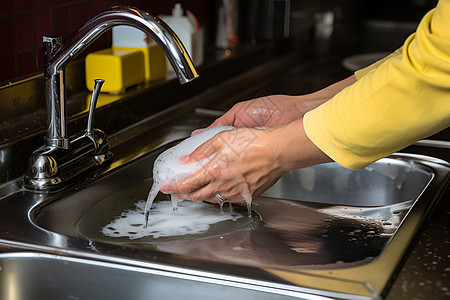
x=182 y=27
x=127 y=36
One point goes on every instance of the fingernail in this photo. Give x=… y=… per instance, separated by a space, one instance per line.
x=184 y=159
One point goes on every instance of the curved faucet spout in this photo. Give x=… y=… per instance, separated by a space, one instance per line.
x=57 y=54
x=121 y=15
x=63 y=161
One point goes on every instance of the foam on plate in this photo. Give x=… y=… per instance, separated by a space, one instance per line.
x=167 y=168
x=193 y=219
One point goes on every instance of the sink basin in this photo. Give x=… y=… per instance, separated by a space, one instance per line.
x=325 y=228
x=28 y=275
x=326 y=216
x=319 y=233
x=323 y=232
x=386 y=182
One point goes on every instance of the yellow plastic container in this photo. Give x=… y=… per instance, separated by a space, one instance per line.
x=154 y=61
x=120 y=68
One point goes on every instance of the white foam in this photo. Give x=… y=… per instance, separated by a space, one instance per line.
x=167 y=168
x=193 y=218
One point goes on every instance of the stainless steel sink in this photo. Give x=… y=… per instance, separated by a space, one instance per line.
x=388 y=181
x=31 y=275
x=319 y=233
x=324 y=216
x=332 y=231
x=323 y=232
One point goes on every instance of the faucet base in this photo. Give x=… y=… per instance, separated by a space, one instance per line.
x=58 y=142
x=53 y=168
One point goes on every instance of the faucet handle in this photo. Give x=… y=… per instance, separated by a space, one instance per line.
x=93 y=104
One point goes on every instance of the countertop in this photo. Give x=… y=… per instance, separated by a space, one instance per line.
x=425 y=273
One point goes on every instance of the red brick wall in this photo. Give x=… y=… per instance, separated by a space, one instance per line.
x=24 y=22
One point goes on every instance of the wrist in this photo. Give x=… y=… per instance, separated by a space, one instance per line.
x=294 y=149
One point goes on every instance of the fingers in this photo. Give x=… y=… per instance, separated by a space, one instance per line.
x=202 y=177
x=225 y=120
x=236 y=194
x=203 y=151
x=228 y=119
x=193 y=182
x=204 y=184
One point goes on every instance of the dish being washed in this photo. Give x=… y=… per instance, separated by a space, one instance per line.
x=124 y=217
x=167 y=168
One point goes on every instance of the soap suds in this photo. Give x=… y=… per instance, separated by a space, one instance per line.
x=192 y=219
x=167 y=168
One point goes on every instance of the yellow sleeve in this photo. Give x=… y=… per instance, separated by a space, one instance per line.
x=404 y=99
x=362 y=72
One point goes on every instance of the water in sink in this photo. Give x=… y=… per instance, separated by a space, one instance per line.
x=280 y=232
x=193 y=218
x=320 y=223
x=120 y=218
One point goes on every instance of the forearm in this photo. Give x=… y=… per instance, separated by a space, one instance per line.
x=309 y=102
x=293 y=148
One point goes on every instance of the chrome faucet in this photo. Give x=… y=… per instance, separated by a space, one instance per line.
x=56 y=163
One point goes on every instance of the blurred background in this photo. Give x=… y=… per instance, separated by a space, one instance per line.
x=341 y=27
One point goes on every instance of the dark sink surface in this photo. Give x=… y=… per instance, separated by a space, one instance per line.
x=339 y=231
x=318 y=221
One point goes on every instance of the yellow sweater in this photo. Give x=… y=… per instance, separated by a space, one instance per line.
x=395 y=102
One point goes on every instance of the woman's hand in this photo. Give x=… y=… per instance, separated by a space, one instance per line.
x=269 y=111
x=246 y=162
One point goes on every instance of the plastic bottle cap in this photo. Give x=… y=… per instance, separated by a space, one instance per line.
x=177 y=10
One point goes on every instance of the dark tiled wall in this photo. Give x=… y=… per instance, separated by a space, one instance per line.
x=24 y=22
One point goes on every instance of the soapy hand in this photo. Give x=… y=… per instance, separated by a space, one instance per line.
x=245 y=162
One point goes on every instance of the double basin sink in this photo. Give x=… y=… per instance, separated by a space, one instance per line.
x=323 y=232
